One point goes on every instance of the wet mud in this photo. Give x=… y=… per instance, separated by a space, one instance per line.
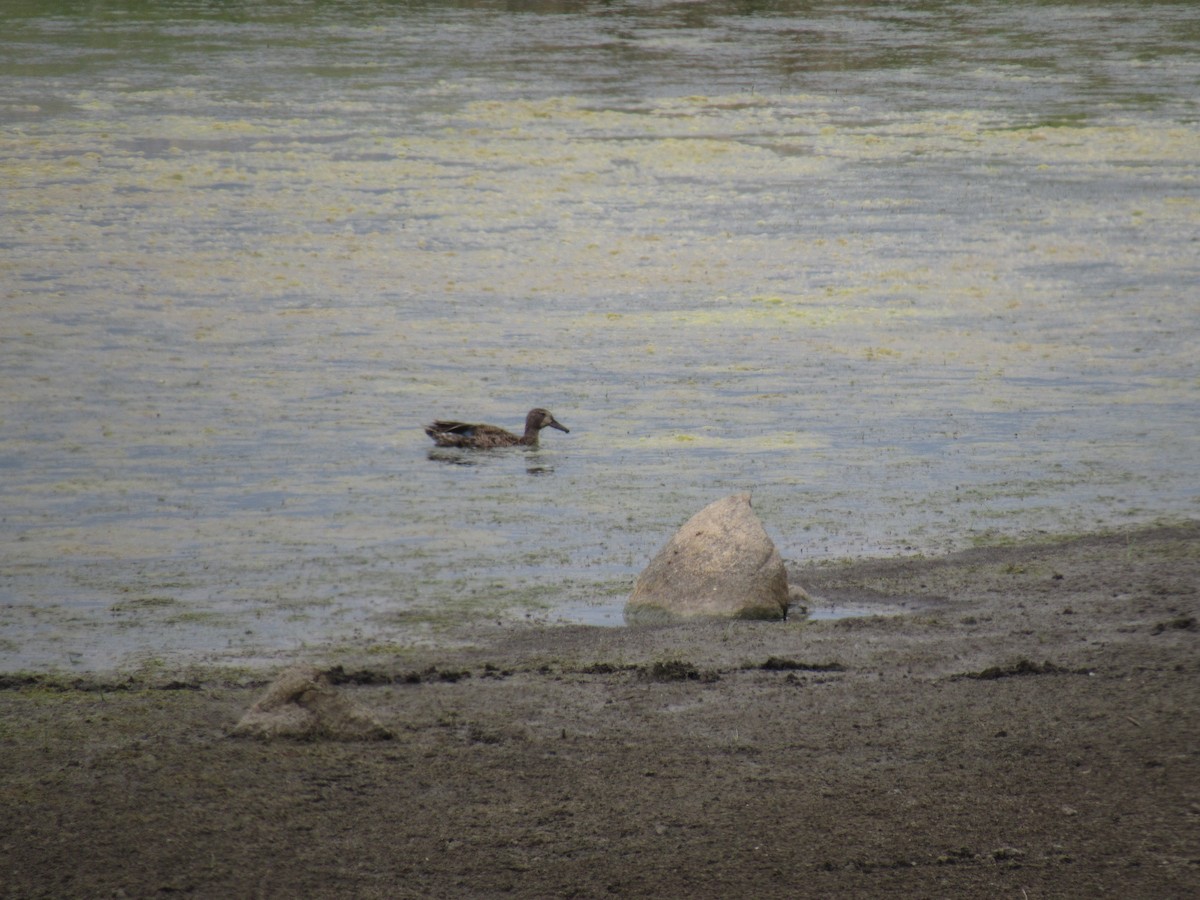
x=1029 y=728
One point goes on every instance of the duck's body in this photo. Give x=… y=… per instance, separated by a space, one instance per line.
x=485 y=437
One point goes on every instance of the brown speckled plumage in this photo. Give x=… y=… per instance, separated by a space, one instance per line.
x=485 y=437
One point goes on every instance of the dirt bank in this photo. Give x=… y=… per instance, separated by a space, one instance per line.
x=1030 y=729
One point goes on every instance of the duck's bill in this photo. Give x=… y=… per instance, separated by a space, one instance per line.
x=554 y=423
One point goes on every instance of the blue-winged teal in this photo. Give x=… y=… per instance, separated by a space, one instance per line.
x=485 y=437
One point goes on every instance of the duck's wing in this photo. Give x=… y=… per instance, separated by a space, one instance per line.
x=449 y=434
x=445 y=426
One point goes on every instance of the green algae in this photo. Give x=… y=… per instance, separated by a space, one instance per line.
x=225 y=326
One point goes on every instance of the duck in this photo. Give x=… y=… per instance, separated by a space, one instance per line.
x=470 y=436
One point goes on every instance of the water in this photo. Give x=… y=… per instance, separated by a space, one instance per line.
x=915 y=274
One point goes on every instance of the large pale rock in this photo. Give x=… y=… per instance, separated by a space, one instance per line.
x=720 y=564
x=302 y=704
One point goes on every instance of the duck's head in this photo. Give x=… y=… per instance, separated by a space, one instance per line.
x=541 y=418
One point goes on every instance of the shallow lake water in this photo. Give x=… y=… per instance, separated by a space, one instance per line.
x=917 y=275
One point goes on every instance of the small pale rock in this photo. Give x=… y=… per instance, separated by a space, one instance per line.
x=301 y=704
x=720 y=564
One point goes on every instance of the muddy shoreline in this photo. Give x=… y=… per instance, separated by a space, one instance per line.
x=1030 y=728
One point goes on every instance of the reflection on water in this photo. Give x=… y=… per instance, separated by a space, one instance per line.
x=455 y=457
x=914 y=274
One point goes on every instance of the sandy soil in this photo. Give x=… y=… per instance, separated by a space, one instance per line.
x=1030 y=728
